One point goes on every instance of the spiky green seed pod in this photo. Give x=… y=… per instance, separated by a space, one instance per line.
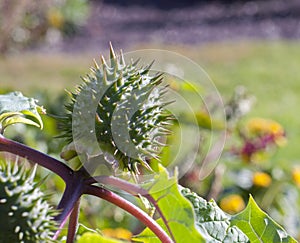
x=24 y=212
x=130 y=115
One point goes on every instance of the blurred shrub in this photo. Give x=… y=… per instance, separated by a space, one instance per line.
x=248 y=165
x=25 y=23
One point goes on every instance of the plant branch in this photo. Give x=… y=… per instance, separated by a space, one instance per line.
x=133 y=190
x=129 y=207
x=35 y=156
x=121 y=184
x=72 y=193
x=73 y=222
x=69 y=200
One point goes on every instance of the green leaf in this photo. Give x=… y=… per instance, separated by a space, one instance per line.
x=16 y=108
x=90 y=237
x=177 y=210
x=212 y=222
x=147 y=236
x=258 y=226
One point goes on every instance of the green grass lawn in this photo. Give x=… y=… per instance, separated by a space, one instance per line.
x=30 y=72
x=269 y=70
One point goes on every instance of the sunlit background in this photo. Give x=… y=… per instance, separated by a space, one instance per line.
x=250 y=49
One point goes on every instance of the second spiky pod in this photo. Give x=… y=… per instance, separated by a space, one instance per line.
x=25 y=214
x=124 y=101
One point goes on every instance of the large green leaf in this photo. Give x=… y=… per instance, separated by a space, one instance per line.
x=258 y=226
x=206 y=222
x=16 y=108
x=212 y=222
x=176 y=209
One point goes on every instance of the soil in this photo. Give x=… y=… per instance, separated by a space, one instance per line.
x=206 y=22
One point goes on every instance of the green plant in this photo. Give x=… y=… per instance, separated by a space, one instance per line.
x=132 y=98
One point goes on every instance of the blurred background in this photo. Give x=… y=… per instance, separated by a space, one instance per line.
x=250 y=49
x=82 y=25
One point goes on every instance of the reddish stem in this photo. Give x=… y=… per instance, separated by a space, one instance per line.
x=133 y=190
x=35 y=156
x=121 y=184
x=131 y=208
x=68 y=202
x=72 y=193
x=73 y=223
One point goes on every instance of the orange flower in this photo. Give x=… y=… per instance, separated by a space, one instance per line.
x=296 y=176
x=118 y=233
x=55 y=18
x=259 y=126
x=261 y=179
x=232 y=204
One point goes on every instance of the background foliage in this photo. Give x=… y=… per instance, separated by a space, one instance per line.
x=28 y=23
x=259 y=67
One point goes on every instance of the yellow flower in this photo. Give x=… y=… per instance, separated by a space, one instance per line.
x=260 y=126
x=261 y=179
x=296 y=176
x=55 y=18
x=232 y=204
x=118 y=233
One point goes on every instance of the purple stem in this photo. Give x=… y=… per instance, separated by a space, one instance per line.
x=133 y=190
x=73 y=223
x=130 y=208
x=69 y=200
x=35 y=156
x=67 y=204
x=72 y=193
